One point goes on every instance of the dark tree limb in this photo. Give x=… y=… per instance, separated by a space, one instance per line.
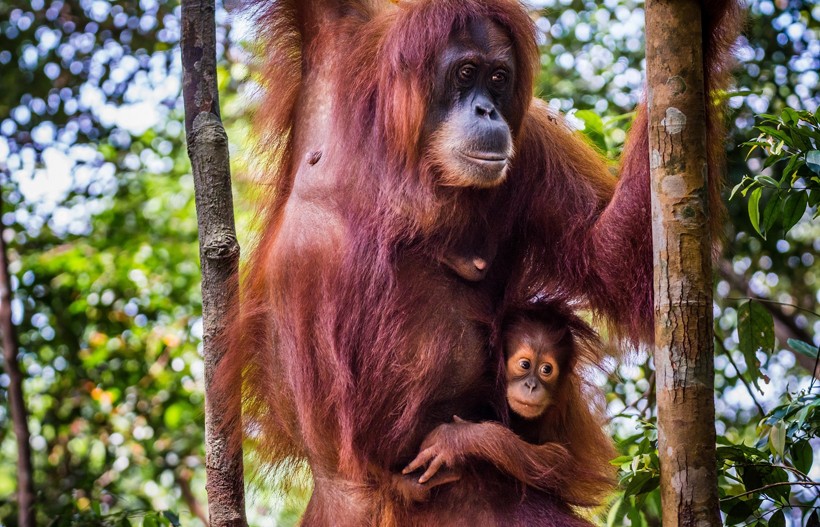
x=219 y=250
x=184 y=482
x=19 y=414
x=684 y=338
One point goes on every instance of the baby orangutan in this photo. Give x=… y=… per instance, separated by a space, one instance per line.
x=555 y=441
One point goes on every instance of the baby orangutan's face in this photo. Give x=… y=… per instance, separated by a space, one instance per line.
x=532 y=372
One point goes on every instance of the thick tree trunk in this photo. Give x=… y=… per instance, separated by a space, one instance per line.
x=17 y=405
x=684 y=353
x=219 y=250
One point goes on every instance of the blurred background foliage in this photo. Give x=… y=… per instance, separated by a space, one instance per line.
x=99 y=217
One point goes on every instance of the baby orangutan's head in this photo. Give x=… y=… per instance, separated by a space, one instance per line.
x=537 y=355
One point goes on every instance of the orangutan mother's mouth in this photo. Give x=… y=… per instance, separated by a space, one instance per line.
x=485 y=157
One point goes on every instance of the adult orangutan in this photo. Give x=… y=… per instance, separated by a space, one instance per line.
x=398 y=132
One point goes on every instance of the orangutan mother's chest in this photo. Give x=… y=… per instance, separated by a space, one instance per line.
x=449 y=327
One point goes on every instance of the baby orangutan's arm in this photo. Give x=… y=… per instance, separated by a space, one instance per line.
x=450 y=444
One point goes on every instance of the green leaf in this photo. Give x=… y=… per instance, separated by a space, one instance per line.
x=768 y=180
x=752 y=477
x=735 y=189
x=777 y=439
x=778 y=492
x=813 y=160
x=768 y=117
x=789 y=116
x=755 y=330
x=731 y=453
x=620 y=460
x=754 y=209
x=779 y=134
x=150 y=521
x=802 y=456
x=794 y=207
x=753 y=145
x=797 y=138
x=641 y=483
x=778 y=519
x=617 y=513
x=803 y=348
x=802 y=415
x=593 y=127
x=650 y=485
x=172 y=517
x=774 y=156
x=636 y=518
x=794 y=163
x=771 y=212
x=740 y=511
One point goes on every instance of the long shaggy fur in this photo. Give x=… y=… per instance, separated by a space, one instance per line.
x=348 y=331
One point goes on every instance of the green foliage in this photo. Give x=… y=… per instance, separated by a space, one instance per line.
x=757 y=483
x=605 y=134
x=92 y=516
x=755 y=330
x=639 y=477
x=760 y=482
x=804 y=348
x=762 y=468
x=790 y=140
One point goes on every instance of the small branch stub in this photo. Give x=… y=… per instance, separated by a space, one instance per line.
x=682 y=256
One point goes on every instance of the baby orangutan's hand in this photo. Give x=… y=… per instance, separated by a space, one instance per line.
x=409 y=488
x=441 y=448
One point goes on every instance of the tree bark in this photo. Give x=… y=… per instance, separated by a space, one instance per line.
x=684 y=353
x=17 y=404
x=219 y=250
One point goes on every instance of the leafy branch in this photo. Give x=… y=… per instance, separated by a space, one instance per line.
x=792 y=138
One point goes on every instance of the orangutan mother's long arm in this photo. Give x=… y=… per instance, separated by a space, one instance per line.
x=619 y=245
x=588 y=234
x=621 y=250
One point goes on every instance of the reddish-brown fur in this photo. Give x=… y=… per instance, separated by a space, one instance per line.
x=575 y=419
x=349 y=327
x=563 y=451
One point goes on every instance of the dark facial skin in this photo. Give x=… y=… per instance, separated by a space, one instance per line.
x=533 y=371
x=467 y=125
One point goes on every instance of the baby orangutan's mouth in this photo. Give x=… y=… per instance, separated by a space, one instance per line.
x=526 y=409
